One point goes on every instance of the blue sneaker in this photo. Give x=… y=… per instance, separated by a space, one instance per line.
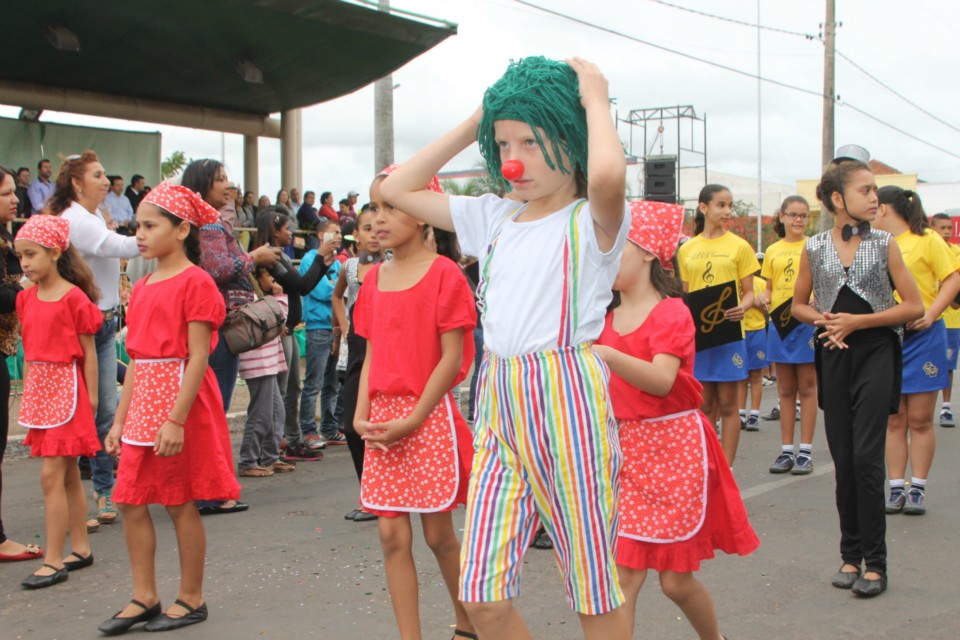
x=898 y=498
x=946 y=418
x=773 y=415
x=783 y=463
x=804 y=465
x=753 y=423
x=914 y=505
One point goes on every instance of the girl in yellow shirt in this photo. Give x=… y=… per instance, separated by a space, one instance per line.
x=717 y=258
x=934 y=267
x=791 y=350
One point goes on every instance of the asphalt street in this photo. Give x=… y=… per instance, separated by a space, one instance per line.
x=292 y=567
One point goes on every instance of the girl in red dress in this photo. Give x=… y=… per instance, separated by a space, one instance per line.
x=170 y=421
x=678 y=499
x=414 y=312
x=59 y=320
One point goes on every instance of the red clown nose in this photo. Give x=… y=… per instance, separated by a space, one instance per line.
x=512 y=170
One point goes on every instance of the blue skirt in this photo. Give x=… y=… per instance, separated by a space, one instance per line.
x=953 y=348
x=756 y=349
x=726 y=363
x=925 y=359
x=796 y=349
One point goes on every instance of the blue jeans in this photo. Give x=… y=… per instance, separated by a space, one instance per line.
x=330 y=408
x=477 y=359
x=319 y=344
x=101 y=466
x=225 y=367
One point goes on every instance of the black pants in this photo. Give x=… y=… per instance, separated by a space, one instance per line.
x=856 y=386
x=356 y=352
x=4 y=430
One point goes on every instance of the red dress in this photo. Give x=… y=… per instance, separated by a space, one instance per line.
x=428 y=470
x=56 y=407
x=157 y=331
x=678 y=499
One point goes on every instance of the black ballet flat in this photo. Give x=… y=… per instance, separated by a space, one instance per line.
x=163 y=622
x=845 y=579
x=115 y=626
x=34 y=581
x=79 y=563
x=867 y=588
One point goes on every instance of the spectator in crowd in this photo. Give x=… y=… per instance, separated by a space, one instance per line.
x=10 y=551
x=136 y=190
x=81 y=188
x=41 y=189
x=119 y=206
x=262 y=203
x=352 y=197
x=320 y=338
x=326 y=207
x=247 y=211
x=284 y=204
x=23 y=200
x=228 y=209
x=307 y=218
x=295 y=200
x=230 y=268
x=346 y=214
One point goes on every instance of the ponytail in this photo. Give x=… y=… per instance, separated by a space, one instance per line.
x=906 y=204
x=74 y=270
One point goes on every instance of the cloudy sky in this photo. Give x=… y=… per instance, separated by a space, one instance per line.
x=909 y=46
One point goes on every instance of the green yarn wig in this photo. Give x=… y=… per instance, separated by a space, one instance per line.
x=542 y=93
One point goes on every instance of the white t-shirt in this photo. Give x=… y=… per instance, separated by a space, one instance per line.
x=102 y=249
x=524 y=289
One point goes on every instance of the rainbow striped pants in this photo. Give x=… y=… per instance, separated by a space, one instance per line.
x=546 y=450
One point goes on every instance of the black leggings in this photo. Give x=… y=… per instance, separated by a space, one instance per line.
x=4 y=431
x=856 y=385
x=356 y=352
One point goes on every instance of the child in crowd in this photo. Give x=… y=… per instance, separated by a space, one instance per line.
x=344 y=299
x=547 y=264
x=721 y=265
x=416 y=312
x=320 y=335
x=755 y=339
x=260 y=367
x=790 y=343
x=851 y=272
x=59 y=318
x=174 y=434
x=943 y=225
x=934 y=268
x=678 y=498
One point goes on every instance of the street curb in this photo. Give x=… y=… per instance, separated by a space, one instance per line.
x=15 y=448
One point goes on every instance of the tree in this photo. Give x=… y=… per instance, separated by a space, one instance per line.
x=172 y=165
x=474 y=186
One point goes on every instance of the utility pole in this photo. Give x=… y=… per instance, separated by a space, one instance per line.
x=383 y=115
x=759 y=145
x=829 y=96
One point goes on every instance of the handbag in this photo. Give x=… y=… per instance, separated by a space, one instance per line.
x=253 y=324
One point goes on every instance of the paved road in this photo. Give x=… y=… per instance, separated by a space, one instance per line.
x=292 y=567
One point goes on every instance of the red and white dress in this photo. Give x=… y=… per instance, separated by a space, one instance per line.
x=428 y=470
x=157 y=341
x=678 y=499
x=56 y=406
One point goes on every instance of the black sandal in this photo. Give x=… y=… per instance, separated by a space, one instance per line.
x=115 y=626
x=464 y=634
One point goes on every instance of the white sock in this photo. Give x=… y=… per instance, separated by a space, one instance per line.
x=945 y=406
x=786 y=448
x=743 y=413
x=896 y=484
x=918 y=483
x=806 y=450
x=755 y=412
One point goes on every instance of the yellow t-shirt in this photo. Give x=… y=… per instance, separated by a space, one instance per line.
x=781 y=262
x=951 y=317
x=707 y=262
x=929 y=259
x=755 y=319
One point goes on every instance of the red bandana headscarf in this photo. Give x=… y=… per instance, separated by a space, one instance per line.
x=52 y=232
x=434 y=184
x=182 y=202
x=655 y=227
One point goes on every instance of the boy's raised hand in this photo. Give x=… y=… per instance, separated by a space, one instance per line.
x=594 y=90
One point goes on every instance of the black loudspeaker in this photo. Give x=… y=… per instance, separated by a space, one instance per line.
x=660 y=178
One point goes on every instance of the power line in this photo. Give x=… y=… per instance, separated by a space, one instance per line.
x=894 y=91
x=808 y=36
x=811 y=37
x=741 y=72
